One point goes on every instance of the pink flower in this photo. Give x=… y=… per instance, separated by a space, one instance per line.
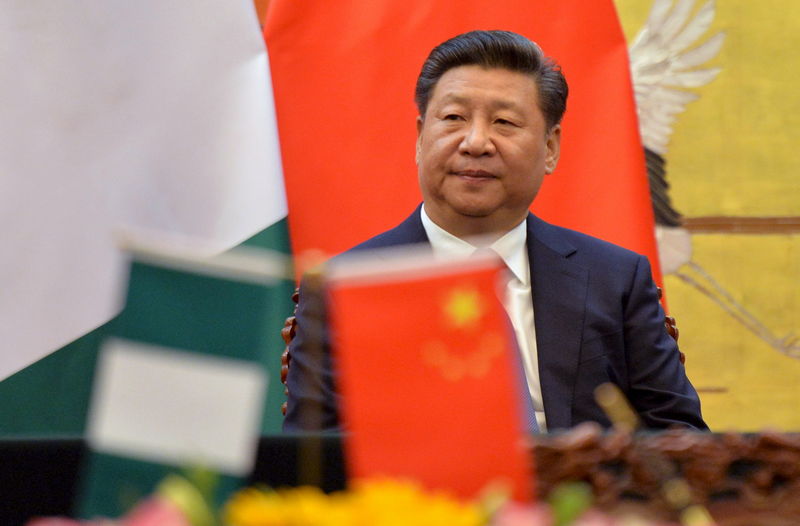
x=154 y=511
x=595 y=518
x=515 y=514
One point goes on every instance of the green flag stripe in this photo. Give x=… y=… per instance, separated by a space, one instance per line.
x=51 y=397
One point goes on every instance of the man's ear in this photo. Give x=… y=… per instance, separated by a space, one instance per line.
x=419 y=137
x=553 y=145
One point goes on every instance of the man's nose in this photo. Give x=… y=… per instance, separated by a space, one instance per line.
x=477 y=140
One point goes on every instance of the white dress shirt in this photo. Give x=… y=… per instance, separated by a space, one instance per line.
x=518 y=300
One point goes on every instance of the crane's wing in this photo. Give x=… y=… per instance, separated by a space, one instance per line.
x=664 y=60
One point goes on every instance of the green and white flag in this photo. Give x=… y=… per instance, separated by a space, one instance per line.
x=178 y=380
x=153 y=115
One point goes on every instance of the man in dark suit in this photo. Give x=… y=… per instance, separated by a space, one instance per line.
x=584 y=311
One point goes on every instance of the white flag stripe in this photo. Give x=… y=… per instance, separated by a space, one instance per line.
x=163 y=405
x=153 y=115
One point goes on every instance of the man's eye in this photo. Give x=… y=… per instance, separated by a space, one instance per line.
x=452 y=117
x=504 y=122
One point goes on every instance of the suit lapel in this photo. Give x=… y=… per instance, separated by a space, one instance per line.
x=559 y=287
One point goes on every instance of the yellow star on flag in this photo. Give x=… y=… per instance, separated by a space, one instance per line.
x=463 y=307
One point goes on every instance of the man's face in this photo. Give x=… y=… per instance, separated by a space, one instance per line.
x=483 y=149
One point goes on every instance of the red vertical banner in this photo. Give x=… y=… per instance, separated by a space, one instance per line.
x=344 y=74
x=428 y=381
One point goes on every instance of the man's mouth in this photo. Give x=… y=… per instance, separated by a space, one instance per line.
x=474 y=174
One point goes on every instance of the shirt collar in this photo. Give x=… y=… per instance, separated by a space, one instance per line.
x=510 y=247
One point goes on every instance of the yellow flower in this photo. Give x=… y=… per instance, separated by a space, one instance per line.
x=370 y=503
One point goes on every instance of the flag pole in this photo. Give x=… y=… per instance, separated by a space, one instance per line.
x=310 y=466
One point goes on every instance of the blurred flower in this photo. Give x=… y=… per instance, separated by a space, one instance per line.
x=191 y=496
x=156 y=511
x=181 y=501
x=569 y=501
x=515 y=514
x=369 y=503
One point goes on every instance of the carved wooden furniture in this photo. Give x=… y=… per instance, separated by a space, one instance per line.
x=287 y=333
x=742 y=479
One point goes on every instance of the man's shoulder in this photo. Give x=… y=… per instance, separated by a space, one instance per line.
x=409 y=232
x=577 y=244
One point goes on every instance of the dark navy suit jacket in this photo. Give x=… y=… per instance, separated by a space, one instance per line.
x=597 y=319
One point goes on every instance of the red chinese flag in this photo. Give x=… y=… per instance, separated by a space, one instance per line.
x=343 y=75
x=429 y=388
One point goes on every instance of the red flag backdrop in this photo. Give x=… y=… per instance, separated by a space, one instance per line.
x=344 y=74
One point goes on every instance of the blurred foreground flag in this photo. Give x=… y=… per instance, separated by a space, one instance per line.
x=146 y=115
x=180 y=380
x=427 y=375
